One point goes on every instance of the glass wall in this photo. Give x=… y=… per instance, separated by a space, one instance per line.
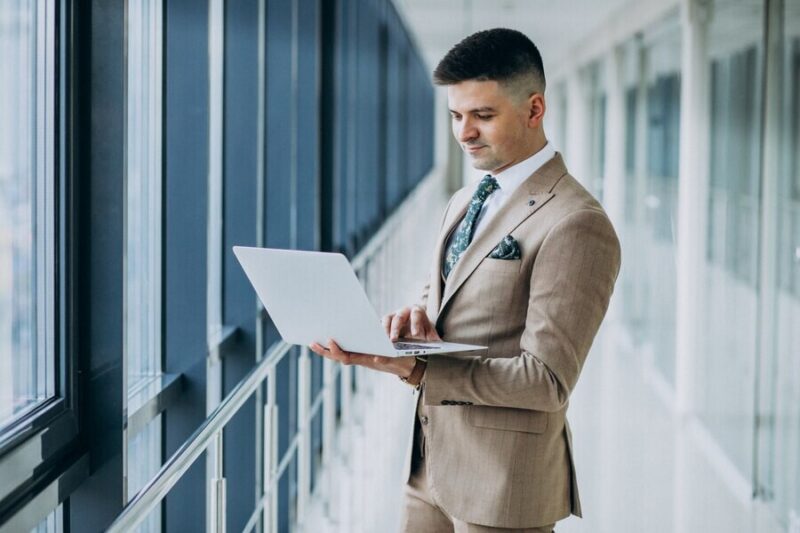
x=661 y=190
x=729 y=304
x=783 y=452
x=652 y=111
x=595 y=78
x=27 y=190
x=631 y=233
x=143 y=227
x=185 y=130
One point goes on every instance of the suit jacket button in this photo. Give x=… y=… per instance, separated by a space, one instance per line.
x=423 y=420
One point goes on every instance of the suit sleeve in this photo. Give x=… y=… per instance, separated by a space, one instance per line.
x=571 y=284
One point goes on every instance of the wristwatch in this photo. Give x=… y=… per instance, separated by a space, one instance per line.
x=415 y=378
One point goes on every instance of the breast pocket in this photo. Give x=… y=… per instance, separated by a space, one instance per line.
x=507 y=419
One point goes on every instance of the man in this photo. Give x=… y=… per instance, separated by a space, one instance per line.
x=525 y=263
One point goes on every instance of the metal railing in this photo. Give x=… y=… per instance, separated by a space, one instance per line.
x=377 y=263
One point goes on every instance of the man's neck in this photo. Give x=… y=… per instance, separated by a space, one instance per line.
x=536 y=148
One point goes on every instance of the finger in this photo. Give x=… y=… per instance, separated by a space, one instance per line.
x=386 y=321
x=419 y=323
x=337 y=353
x=399 y=322
x=324 y=352
x=317 y=348
x=430 y=333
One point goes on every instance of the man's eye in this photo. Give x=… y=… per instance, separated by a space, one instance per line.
x=484 y=117
x=455 y=117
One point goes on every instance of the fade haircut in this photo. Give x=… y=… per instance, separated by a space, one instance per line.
x=502 y=55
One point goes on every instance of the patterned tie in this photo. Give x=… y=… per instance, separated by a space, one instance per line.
x=463 y=235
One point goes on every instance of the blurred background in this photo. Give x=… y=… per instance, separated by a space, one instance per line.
x=144 y=388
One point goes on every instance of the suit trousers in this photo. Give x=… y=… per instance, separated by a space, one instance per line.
x=421 y=514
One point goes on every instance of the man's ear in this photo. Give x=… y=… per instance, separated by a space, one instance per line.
x=536 y=109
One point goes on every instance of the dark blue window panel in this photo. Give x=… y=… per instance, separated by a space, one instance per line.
x=368 y=172
x=308 y=124
x=350 y=122
x=279 y=102
x=328 y=140
x=239 y=227
x=394 y=112
x=96 y=130
x=185 y=248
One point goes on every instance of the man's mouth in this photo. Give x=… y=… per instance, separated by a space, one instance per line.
x=473 y=149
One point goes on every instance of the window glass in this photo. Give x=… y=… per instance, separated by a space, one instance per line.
x=143 y=217
x=595 y=77
x=658 y=190
x=144 y=461
x=27 y=189
x=53 y=523
x=143 y=235
x=632 y=231
x=785 y=450
x=727 y=354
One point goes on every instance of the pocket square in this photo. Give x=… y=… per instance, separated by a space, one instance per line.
x=507 y=249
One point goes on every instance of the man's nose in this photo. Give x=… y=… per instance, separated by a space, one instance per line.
x=467 y=131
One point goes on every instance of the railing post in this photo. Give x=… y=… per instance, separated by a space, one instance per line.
x=328 y=430
x=304 y=434
x=218 y=497
x=270 y=455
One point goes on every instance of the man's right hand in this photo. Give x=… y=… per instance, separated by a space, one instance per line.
x=410 y=323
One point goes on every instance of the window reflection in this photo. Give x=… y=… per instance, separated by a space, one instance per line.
x=143 y=234
x=728 y=352
x=26 y=207
x=785 y=449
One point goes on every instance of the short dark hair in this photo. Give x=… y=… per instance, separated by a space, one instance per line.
x=499 y=54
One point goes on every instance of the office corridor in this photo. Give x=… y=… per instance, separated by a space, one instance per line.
x=143 y=385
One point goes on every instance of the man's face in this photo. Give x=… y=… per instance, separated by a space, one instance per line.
x=491 y=127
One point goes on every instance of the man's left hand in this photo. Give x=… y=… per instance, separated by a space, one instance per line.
x=399 y=366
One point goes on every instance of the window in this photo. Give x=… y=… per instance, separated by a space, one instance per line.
x=781 y=453
x=729 y=344
x=27 y=191
x=143 y=240
x=734 y=163
x=656 y=187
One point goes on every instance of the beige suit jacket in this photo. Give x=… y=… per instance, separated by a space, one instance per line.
x=498 y=446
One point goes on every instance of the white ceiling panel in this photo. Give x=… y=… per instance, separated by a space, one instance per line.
x=555 y=26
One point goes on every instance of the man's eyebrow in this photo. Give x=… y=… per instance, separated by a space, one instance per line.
x=478 y=110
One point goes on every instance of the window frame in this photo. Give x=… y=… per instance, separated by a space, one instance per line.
x=43 y=445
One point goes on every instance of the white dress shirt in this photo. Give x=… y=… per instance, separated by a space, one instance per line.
x=509 y=180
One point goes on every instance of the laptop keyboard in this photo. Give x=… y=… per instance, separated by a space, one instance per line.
x=411 y=346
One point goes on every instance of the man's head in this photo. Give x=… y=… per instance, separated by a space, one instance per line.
x=495 y=90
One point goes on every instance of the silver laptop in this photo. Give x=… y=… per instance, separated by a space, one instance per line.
x=316 y=296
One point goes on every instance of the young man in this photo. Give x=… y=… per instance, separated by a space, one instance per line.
x=525 y=263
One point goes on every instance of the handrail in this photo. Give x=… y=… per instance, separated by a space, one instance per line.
x=183 y=458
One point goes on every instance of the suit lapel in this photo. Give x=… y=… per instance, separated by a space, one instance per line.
x=459 y=207
x=531 y=196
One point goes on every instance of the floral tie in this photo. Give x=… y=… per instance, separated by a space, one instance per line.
x=463 y=235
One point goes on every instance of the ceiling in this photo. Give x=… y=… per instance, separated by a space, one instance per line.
x=556 y=26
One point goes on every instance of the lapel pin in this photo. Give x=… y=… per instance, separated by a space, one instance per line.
x=531 y=202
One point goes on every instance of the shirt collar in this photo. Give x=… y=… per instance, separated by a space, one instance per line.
x=512 y=177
